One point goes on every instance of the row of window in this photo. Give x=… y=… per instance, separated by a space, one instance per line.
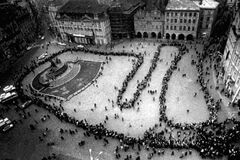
x=235 y=75
x=236 y=60
x=182 y=21
x=190 y=14
x=180 y=28
x=156 y=18
x=78 y=28
x=96 y=25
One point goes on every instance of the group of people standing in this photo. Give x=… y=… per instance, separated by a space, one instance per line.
x=210 y=138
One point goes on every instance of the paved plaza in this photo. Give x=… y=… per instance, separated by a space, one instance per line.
x=95 y=101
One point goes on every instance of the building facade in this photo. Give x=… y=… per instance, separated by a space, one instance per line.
x=231 y=57
x=121 y=14
x=53 y=7
x=17 y=30
x=207 y=16
x=231 y=2
x=181 y=20
x=149 y=22
x=84 y=22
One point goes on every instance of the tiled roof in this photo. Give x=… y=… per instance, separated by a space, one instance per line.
x=181 y=5
x=83 y=6
x=56 y=2
x=208 y=4
x=126 y=5
x=154 y=4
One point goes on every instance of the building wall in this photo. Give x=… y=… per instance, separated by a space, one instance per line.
x=232 y=67
x=150 y=23
x=231 y=2
x=122 y=25
x=52 y=12
x=181 y=22
x=100 y=29
x=206 y=19
x=231 y=58
x=16 y=33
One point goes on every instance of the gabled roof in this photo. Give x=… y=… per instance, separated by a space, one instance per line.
x=154 y=4
x=56 y=2
x=181 y=5
x=126 y=5
x=83 y=6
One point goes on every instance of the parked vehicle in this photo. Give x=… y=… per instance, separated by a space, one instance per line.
x=5 y=124
x=42 y=56
x=26 y=104
x=61 y=44
x=80 y=46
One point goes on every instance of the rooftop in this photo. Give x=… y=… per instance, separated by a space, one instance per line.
x=207 y=4
x=126 y=4
x=153 y=4
x=56 y=2
x=181 y=5
x=83 y=6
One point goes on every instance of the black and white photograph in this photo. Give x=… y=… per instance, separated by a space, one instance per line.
x=119 y=79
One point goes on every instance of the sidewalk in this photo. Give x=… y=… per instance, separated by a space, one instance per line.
x=229 y=111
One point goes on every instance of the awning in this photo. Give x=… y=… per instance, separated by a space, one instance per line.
x=78 y=35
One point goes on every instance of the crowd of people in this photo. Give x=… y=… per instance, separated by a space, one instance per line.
x=140 y=87
x=206 y=142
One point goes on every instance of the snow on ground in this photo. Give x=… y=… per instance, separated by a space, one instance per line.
x=180 y=95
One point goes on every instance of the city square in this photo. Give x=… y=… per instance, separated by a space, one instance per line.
x=158 y=89
x=99 y=98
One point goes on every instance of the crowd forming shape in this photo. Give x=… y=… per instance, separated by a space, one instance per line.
x=198 y=136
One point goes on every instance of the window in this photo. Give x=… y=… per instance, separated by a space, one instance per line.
x=167 y=14
x=180 y=20
x=238 y=82
x=185 y=14
x=167 y=27
x=184 y=28
x=167 y=20
x=171 y=20
x=189 y=21
x=175 y=27
x=172 y=14
x=193 y=28
x=175 y=20
x=194 y=21
x=195 y=14
x=180 y=28
x=208 y=18
x=206 y=25
x=185 y=21
x=176 y=14
x=170 y=27
x=181 y=14
x=190 y=14
x=189 y=28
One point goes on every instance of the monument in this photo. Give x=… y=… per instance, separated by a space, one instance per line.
x=56 y=69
